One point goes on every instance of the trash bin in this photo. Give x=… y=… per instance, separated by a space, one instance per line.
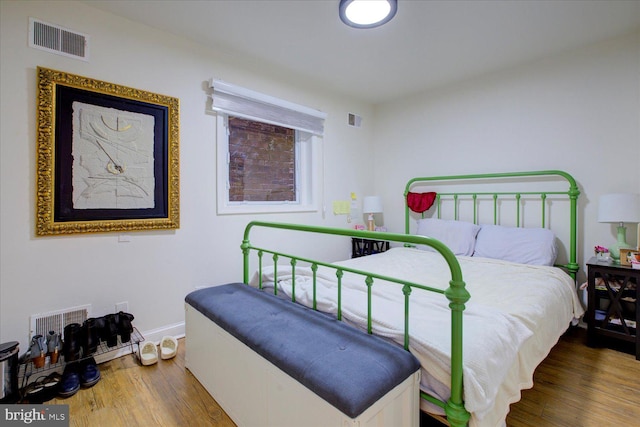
x=9 y=367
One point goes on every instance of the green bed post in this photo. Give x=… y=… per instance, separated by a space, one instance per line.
x=457 y=294
x=406 y=212
x=245 y=258
x=573 y=266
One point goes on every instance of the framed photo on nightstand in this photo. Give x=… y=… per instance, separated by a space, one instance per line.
x=628 y=256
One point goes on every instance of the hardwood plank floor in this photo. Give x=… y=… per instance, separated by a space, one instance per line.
x=129 y=394
x=576 y=386
x=581 y=386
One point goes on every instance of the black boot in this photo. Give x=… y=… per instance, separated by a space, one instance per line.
x=72 y=342
x=70 y=381
x=124 y=326
x=111 y=329
x=89 y=337
x=101 y=328
x=89 y=372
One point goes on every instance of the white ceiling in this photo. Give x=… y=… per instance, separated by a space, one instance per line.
x=428 y=44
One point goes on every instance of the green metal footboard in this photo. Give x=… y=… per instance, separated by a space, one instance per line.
x=456 y=293
x=572 y=194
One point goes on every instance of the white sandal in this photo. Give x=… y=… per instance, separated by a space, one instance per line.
x=168 y=347
x=148 y=353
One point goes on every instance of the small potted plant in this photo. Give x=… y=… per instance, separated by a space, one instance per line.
x=602 y=253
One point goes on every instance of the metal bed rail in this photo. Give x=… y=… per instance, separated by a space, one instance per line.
x=456 y=293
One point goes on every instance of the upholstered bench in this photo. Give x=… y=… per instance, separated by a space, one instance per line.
x=241 y=340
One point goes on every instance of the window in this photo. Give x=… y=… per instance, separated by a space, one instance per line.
x=268 y=152
x=262 y=162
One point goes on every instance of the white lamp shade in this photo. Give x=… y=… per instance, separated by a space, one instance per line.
x=372 y=204
x=619 y=207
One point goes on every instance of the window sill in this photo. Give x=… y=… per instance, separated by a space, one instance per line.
x=247 y=208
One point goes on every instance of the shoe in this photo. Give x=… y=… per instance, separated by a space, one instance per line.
x=101 y=328
x=54 y=346
x=111 y=327
x=168 y=347
x=43 y=389
x=70 y=382
x=72 y=342
x=148 y=353
x=90 y=337
x=124 y=326
x=89 y=372
x=38 y=350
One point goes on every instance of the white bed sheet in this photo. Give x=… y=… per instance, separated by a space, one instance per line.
x=509 y=302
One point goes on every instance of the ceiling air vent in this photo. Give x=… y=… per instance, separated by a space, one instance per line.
x=58 y=40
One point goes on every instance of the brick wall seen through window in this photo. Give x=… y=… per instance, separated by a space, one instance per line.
x=261 y=162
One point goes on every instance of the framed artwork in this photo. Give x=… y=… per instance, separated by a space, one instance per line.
x=108 y=157
x=629 y=256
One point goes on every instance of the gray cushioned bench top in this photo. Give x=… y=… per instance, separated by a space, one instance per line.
x=347 y=367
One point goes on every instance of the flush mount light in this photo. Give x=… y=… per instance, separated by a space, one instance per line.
x=367 y=13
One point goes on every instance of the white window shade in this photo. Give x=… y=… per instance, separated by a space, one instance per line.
x=240 y=102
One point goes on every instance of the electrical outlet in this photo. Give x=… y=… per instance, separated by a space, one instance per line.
x=122 y=306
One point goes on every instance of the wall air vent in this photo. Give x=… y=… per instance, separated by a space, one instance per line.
x=58 y=40
x=42 y=323
x=354 y=120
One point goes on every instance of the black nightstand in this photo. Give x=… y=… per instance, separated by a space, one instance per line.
x=362 y=247
x=613 y=309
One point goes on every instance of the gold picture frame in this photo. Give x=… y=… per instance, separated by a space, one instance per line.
x=107 y=159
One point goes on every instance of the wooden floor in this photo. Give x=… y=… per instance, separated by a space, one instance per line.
x=129 y=394
x=576 y=386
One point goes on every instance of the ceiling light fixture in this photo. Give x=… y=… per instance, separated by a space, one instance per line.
x=367 y=13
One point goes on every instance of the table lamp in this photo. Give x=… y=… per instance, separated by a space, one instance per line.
x=371 y=205
x=619 y=208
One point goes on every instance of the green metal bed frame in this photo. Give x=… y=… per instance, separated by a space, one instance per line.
x=456 y=293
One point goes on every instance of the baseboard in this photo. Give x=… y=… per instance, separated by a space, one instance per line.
x=176 y=330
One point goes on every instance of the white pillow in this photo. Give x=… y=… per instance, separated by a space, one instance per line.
x=535 y=246
x=459 y=236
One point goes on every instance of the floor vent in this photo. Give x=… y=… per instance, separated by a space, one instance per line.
x=41 y=324
x=58 y=40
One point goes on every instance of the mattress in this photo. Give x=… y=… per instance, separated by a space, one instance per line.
x=515 y=316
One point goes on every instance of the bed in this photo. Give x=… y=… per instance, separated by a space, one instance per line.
x=479 y=299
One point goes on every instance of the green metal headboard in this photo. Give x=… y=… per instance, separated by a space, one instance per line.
x=572 y=193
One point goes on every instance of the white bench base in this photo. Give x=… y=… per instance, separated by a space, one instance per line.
x=254 y=392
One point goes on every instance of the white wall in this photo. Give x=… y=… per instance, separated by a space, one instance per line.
x=156 y=269
x=578 y=112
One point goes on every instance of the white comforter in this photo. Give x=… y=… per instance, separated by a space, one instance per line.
x=514 y=317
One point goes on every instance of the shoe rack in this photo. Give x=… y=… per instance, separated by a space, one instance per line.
x=28 y=371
